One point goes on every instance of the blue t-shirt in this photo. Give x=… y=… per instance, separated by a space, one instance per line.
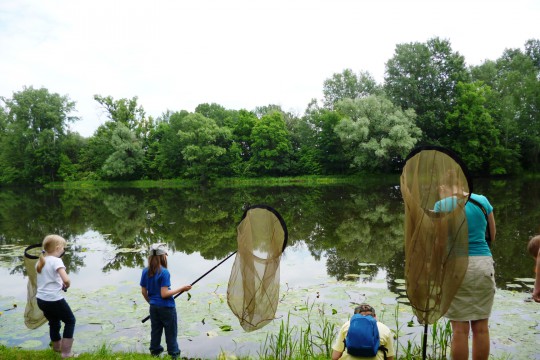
x=154 y=284
x=476 y=222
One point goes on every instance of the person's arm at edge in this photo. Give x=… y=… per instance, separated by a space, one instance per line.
x=336 y=354
x=536 y=291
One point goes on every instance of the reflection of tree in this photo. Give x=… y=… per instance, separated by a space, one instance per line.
x=338 y=267
x=350 y=224
x=125 y=259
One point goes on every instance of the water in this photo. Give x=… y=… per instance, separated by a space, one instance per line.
x=334 y=231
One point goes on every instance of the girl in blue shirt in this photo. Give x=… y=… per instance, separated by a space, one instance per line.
x=156 y=289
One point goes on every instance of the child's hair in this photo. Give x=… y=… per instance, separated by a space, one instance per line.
x=155 y=262
x=534 y=246
x=50 y=243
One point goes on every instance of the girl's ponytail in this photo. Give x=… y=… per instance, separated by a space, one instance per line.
x=41 y=261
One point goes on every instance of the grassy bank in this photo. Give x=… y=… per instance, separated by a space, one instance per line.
x=229 y=182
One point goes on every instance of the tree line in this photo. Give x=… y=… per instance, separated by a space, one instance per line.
x=489 y=114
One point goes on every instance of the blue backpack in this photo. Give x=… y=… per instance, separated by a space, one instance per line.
x=363 y=336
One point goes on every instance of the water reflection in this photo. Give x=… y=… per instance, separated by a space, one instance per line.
x=350 y=227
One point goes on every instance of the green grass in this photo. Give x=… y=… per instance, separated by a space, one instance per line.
x=228 y=182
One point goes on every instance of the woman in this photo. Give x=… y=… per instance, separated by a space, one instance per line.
x=471 y=307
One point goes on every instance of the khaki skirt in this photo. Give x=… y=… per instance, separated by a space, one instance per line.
x=474 y=298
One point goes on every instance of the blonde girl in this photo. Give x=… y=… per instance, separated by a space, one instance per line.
x=51 y=280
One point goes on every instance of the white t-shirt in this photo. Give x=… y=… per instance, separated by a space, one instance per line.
x=49 y=282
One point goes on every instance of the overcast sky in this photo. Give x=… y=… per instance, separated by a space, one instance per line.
x=176 y=54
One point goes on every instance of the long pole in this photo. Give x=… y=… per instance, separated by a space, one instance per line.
x=196 y=281
x=424 y=345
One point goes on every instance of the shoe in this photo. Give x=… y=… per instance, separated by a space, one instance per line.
x=66 y=348
x=57 y=346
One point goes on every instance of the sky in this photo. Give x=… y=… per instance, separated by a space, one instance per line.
x=177 y=54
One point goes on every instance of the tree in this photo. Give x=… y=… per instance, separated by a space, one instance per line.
x=126 y=160
x=328 y=149
x=514 y=105
x=199 y=137
x=346 y=85
x=423 y=77
x=376 y=134
x=218 y=113
x=471 y=131
x=34 y=124
x=124 y=111
x=270 y=145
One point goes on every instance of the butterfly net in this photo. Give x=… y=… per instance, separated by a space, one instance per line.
x=435 y=188
x=253 y=290
x=33 y=316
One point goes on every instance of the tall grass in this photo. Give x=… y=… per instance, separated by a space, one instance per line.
x=292 y=342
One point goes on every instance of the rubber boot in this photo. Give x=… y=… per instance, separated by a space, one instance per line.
x=66 y=348
x=57 y=345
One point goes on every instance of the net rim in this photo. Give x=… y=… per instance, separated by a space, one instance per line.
x=278 y=216
x=448 y=152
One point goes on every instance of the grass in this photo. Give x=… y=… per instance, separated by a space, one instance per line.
x=311 y=340
x=226 y=182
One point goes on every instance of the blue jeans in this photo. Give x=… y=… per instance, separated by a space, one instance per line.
x=164 y=318
x=56 y=311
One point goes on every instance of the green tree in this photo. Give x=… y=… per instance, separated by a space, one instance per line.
x=514 y=105
x=218 y=113
x=423 y=77
x=376 y=134
x=323 y=140
x=271 y=145
x=199 y=138
x=126 y=161
x=242 y=140
x=347 y=85
x=471 y=131
x=125 y=111
x=34 y=126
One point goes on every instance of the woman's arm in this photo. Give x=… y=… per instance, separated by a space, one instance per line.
x=166 y=293
x=492 y=226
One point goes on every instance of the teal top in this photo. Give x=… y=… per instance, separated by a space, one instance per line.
x=476 y=222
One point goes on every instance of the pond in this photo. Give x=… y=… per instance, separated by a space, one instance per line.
x=345 y=245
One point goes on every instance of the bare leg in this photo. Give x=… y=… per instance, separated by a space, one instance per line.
x=480 y=339
x=460 y=340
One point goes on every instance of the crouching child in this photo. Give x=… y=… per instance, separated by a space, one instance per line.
x=363 y=337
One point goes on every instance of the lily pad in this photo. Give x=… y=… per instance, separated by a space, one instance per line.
x=524 y=280
x=31 y=344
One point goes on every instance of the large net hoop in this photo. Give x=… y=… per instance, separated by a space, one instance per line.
x=435 y=187
x=253 y=290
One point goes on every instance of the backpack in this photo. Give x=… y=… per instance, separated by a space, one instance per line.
x=363 y=336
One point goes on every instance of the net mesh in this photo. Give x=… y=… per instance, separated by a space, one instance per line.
x=253 y=290
x=435 y=188
x=33 y=316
